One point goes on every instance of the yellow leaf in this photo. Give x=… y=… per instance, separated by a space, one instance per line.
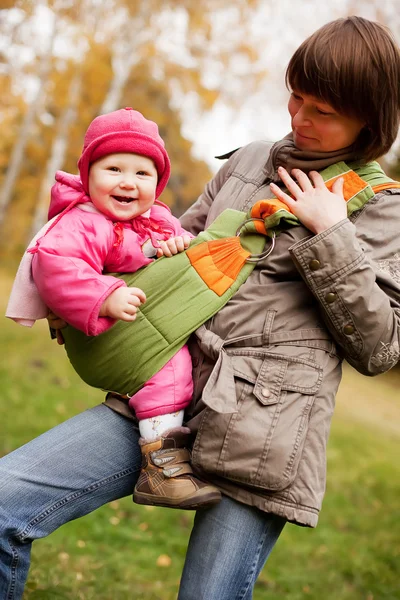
x=163 y=560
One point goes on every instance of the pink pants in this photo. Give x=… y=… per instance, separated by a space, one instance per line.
x=168 y=391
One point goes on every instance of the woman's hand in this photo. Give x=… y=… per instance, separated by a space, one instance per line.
x=313 y=204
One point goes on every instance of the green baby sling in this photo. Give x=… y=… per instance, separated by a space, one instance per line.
x=187 y=289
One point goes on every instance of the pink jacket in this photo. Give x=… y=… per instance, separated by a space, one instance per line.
x=70 y=260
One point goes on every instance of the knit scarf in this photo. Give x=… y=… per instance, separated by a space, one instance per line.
x=285 y=154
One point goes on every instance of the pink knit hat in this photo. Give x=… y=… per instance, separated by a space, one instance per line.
x=124 y=130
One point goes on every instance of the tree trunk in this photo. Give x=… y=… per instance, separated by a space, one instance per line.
x=26 y=126
x=57 y=156
x=133 y=34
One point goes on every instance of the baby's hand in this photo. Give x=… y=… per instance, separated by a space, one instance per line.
x=123 y=303
x=173 y=245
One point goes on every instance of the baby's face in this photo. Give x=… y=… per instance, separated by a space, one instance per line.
x=123 y=186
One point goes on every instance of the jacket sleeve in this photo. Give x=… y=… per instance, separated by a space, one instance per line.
x=353 y=270
x=67 y=269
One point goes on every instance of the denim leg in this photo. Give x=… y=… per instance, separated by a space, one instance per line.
x=65 y=473
x=228 y=547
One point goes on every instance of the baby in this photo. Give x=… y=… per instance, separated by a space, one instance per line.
x=110 y=220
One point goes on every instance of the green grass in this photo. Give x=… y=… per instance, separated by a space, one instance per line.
x=127 y=551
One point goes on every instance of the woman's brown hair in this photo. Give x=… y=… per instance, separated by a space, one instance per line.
x=354 y=65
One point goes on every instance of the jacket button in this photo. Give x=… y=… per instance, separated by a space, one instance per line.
x=314 y=265
x=265 y=392
x=330 y=297
x=348 y=329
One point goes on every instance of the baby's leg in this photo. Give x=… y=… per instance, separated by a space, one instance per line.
x=167 y=478
x=168 y=391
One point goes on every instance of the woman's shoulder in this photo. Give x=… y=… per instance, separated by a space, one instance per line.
x=251 y=147
x=257 y=148
x=385 y=203
x=249 y=162
x=378 y=222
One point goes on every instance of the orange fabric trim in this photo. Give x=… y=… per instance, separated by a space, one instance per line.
x=218 y=262
x=351 y=186
x=385 y=186
x=264 y=208
x=260 y=227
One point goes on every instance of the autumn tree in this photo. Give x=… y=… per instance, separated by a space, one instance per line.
x=99 y=57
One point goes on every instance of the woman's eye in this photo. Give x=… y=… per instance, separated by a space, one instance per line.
x=323 y=112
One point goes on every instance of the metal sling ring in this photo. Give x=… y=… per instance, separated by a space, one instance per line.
x=256 y=257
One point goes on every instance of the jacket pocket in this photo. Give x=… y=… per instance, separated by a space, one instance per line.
x=261 y=444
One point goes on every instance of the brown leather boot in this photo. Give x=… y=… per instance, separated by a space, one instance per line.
x=167 y=478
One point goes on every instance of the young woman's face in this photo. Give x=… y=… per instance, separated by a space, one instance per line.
x=123 y=186
x=318 y=127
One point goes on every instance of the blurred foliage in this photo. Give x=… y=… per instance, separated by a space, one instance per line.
x=394 y=170
x=115 y=54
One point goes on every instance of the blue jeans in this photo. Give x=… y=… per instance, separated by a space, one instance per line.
x=94 y=458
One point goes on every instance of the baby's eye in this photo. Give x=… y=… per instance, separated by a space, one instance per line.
x=114 y=169
x=142 y=173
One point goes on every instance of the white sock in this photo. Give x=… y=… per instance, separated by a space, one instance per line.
x=152 y=428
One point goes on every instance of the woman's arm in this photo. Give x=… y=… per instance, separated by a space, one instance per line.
x=354 y=272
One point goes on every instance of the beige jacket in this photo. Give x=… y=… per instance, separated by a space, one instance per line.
x=272 y=357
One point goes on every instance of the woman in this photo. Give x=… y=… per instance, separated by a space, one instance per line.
x=267 y=366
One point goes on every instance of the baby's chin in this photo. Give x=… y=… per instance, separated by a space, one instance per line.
x=122 y=215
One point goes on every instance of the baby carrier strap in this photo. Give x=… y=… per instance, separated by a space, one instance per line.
x=178 y=301
x=185 y=290
x=361 y=182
